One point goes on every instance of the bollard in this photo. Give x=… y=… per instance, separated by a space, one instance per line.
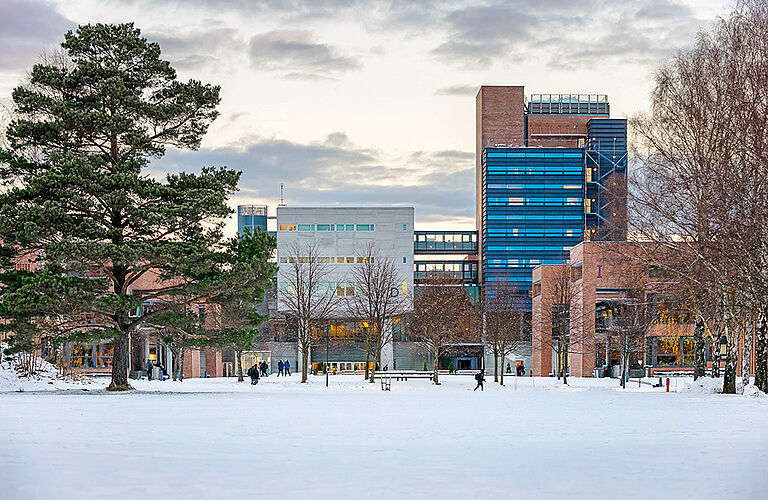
x=667 y=384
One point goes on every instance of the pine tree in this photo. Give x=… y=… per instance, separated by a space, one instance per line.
x=75 y=185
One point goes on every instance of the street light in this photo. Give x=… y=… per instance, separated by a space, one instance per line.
x=327 y=333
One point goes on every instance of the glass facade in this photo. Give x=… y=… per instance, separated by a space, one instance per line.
x=532 y=211
x=464 y=270
x=435 y=242
x=251 y=217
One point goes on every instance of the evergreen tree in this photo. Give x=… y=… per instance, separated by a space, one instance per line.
x=75 y=185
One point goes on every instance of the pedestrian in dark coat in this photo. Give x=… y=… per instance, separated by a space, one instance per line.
x=150 y=365
x=253 y=372
x=264 y=368
x=280 y=367
x=480 y=377
x=287 y=368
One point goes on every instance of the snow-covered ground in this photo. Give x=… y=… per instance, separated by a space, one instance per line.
x=215 y=438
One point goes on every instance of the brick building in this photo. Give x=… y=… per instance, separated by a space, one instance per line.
x=612 y=288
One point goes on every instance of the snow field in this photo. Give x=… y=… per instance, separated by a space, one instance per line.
x=215 y=438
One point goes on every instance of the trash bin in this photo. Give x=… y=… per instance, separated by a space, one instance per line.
x=156 y=373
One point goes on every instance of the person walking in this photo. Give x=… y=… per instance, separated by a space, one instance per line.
x=149 y=367
x=287 y=368
x=480 y=377
x=263 y=368
x=280 y=367
x=253 y=372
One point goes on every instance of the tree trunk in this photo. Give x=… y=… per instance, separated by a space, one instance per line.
x=175 y=364
x=304 y=360
x=699 y=348
x=501 y=378
x=623 y=367
x=181 y=365
x=565 y=365
x=495 y=364
x=729 y=379
x=239 y=355
x=746 y=355
x=373 y=368
x=120 y=364
x=761 y=350
x=436 y=356
x=367 y=360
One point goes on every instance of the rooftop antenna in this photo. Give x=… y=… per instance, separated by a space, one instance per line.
x=282 y=196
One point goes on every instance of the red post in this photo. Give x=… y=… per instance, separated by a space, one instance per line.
x=667 y=384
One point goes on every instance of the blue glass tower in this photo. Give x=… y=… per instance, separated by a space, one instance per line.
x=251 y=216
x=550 y=173
x=533 y=210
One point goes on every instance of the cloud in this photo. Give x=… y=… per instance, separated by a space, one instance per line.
x=336 y=172
x=27 y=28
x=458 y=90
x=295 y=51
x=198 y=48
x=564 y=37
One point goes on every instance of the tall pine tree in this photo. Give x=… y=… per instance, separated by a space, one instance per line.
x=75 y=185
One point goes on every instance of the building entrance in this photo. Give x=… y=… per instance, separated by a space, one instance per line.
x=251 y=358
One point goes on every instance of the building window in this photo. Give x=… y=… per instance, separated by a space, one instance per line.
x=350 y=260
x=404 y=260
x=350 y=227
x=350 y=290
x=291 y=227
x=654 y=272
x=364 y=227
x=340 y=260
x=325 y=227
x=306 y=227
x=324 y=260
x=283 y=260
x=283 y=227
x=405 y=227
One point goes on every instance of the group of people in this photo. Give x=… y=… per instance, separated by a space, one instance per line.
x=261 y=369
x=150 y=365
x=283 y=368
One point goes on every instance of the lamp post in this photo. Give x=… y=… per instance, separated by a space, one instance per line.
x=327 y=333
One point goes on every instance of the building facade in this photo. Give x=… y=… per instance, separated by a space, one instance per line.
x=550 y=172
x=613 y=290
x=251 y=217
x=341 y=236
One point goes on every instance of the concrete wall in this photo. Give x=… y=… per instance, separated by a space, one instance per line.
x=392 y=235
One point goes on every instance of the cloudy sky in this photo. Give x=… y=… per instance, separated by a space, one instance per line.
x=362 y=102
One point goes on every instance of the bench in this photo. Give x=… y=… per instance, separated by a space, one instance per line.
x=403 y=374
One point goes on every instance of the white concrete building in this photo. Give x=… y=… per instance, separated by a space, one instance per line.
x=342 y=235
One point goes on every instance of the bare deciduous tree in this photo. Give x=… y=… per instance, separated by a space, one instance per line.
x=379 y=295
x=503 y=313
x=443 y=316
x=307 y=293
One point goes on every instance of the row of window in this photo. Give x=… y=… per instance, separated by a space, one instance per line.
x=519 y=202
x=446 y=237
x=534 y=170
x=533 y=232
x=535 y=217
x=532 y=154
x=527 y=248
x=329 y=227
x=327 y=260
x=534 y=186
x=340 y=289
